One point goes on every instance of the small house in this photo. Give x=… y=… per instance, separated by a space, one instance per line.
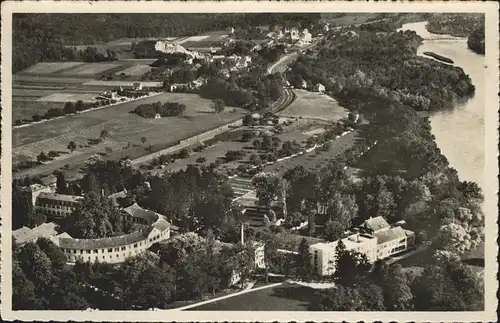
x=320 y=88
x=137 y=86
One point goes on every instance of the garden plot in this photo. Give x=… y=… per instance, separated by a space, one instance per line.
x=136 y=70
x=90 y=69
x=311 y=105
x=69 y=97
x=48 y=68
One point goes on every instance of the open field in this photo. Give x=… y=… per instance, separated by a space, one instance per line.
x=65 y=97
x=91 y=69
x=314 y=106
x=284 y=297
x=123 y=126
x=48 y=68
x=26 y=109
x=136 y=70
x=348 y=18
x=47 y=80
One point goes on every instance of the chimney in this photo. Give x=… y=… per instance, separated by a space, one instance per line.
x=242 y=233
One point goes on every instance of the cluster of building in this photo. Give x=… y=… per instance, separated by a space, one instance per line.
x=375 y=238
x=291 y=35
x=150 y=226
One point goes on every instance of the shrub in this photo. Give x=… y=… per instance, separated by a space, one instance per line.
x=184 y=153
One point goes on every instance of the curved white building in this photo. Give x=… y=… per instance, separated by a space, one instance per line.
x=117 y=249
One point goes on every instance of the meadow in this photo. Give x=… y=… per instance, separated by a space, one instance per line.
x=123 y=127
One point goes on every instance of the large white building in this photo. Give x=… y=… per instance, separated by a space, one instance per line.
x=376 y=239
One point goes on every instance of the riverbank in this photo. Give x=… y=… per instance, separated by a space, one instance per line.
x=465 y=152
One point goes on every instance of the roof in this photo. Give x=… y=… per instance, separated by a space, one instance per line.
x=90 y=244
x=26 y=234
x=389 y=235
x=376 y=223
x=60 y=197
x=138 y=212
x=22 y=234
x=47 y=180
x=161 y=224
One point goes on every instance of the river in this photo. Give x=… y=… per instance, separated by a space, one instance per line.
x=460 y=132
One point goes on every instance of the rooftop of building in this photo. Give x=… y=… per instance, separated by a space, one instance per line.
x=376 y=223
x=136 y=211
x=390 y=234
x=25 y=234
x=103 y=243
x=60 y=197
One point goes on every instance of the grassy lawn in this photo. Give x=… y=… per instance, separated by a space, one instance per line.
x=284 y=297
x=315 y=106
x=123 y=127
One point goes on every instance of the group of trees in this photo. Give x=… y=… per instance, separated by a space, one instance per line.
x=96 y=217
x=455 y=24
x=476 y=41
x=41 y=281
x=385 y=66
x=23 y=210
x=253 y=90
x=167 y=109
x=197 y=199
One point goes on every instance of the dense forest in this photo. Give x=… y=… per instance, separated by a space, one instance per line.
x=43 y=37
x=459 y=25
x=476 y=40
x=361 y=62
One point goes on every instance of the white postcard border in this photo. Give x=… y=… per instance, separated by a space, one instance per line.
x=491 y=154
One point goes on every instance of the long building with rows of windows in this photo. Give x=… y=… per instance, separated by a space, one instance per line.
x=117 y=249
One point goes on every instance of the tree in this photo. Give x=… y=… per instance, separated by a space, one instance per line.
x=351 y=268
x=201 y=160
x=104 y=134
x=218 y=106
x=304 y=268
x=23 y=290
x=143 y=140
x=71 y=146
x=268 y=187
x=36 y=265
x=61 y=185
x=108 y=150
x=55 y=254
x=95 y=217
x=42 y=157
x=155 y=288
x=69 y=108
x=341 y=298
x=450 y=286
